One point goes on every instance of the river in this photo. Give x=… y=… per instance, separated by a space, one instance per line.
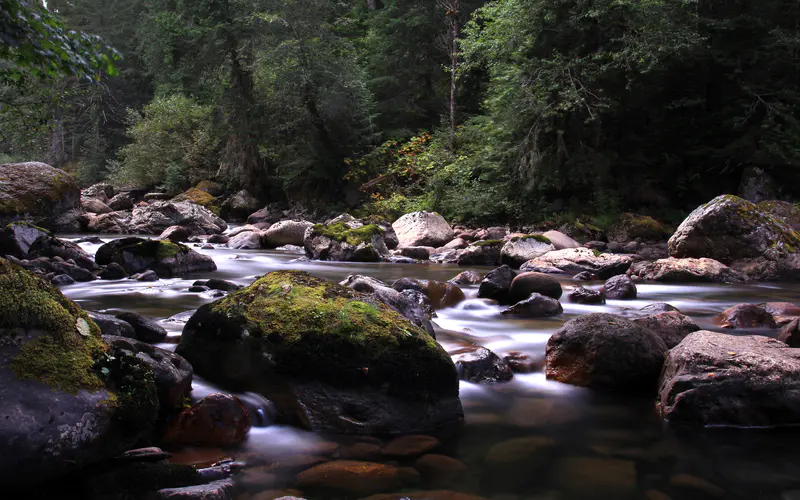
x=527 y=439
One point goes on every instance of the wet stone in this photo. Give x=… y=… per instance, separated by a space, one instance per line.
x=410 y=446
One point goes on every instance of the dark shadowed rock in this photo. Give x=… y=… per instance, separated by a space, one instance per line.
x=113 y=271
x=113 y=326
x=782 y=312
x=176 y=234
x=172 y=373
x=167 y=259
x=404 y=305
x=496 y=284
x=671 y=326
x=480 y=366
x=217 y=284
x=93 y=205
x=16 y=238
x=583 y=295
x=520 y=362
x=620 y=287
x=147 y=330
x=718 y=379
x=148 y=275
x=482 y=253
x=240 y=205
x=440 y=294
x=585 y=276
x=62 y=280
x=790 y=333
x=416 y=253
x=605 y=352
x=122 y=201
x=60 y=414
x=221 y=489
x=745 y=316
x=356 y=479
x=686 y=270
x=535 y=306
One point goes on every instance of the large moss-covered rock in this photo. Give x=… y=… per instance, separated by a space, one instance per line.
x=340 y=242
x=166 y=258
x=39 y=193
x=330 y=358
x=199 y=197
x=632 y=226
x=65 y=403
x=729 y=228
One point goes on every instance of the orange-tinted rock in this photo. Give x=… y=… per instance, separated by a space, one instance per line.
x=361 y=451
x=198 y=457
x=217 y=420
x=745 y=316
x=411 y=446
x=782 y=312
x=356 y=478
x=440 y=471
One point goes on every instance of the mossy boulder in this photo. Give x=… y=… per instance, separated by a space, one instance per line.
x=632 y=226
x=38 y=193
x=341 y=242
x=166 y=258
x=729 y=228
x=65 y=403
x=330 y=358
x=199 y=197
x=784 y=211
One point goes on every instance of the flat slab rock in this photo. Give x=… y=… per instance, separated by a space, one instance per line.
x=577 y=260
x=718 y=379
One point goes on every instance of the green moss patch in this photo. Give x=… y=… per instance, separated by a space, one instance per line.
x=342 y=232
x=160 y=249
x=65 y=356
x=538 y=237
x=312 y=329
x=488 y=243
x=199 y=196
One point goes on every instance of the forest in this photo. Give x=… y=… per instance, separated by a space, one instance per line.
x=486 y=112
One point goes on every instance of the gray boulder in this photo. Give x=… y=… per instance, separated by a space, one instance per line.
x=674 y=270
x=167 y=259
x=286 y=232
x=521 y=249
x=573 y=261
x=423 y=229
x=157 y=216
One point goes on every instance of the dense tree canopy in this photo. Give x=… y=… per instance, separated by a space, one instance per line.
x=485 y=111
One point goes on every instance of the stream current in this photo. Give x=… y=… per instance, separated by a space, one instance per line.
x=526 y=439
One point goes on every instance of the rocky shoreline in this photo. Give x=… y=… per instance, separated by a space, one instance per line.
x=110 y=390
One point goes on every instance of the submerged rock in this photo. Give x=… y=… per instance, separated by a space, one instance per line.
x=573 y=261
x=39 y=193
x=167 y=259
x=340 y=242
x=278 y=336
x=217 y=420
x=674 y=270
x=606 y=352
x=347 y=477
x=65 y=404
x=742 y=380
x=146 y=329
x=422 y=229
x=729 y=228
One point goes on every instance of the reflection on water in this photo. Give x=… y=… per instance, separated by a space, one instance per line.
x=527 y=439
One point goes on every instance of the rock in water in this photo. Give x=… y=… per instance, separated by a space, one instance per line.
x=620 y=287
x=481 y=253
x=166 y=258
x=577 y=260
x=217 y=420
x=745 y=316
x=330 y=358
x=39 y=193
x=479 y=365
x=425 y=229
x=496 y=284
x=520 y=250
x=286 y=232
x=525 y=284
x=743 y=380
x=686 y=270
x=671 y=326
x=65 y=404
x=16 y=238
x=404 y=305
x=606 y=352
x=535 y=306
x=729 y=228
x=339 y=242
x=160 y=215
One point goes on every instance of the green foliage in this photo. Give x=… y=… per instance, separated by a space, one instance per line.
x=35 y=42
x=172 y=146
x=343 y=232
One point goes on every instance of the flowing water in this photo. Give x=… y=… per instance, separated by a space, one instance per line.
x=527 y=439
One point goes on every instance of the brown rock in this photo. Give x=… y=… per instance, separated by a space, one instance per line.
x=176 y=234
x=782 y=312
x=361 y=451
x=514 y=464
x=745 y=316
x=523 y=285
x=790 y=333
x=522 y=363
x=582 y=477
x=356 y=478
x=410 y=446
x=671 y=326
x=217 y=420
x=467 y=278
x=440 y=471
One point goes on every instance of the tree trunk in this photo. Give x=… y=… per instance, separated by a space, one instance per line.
x=372 y=4
x=455 y=28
